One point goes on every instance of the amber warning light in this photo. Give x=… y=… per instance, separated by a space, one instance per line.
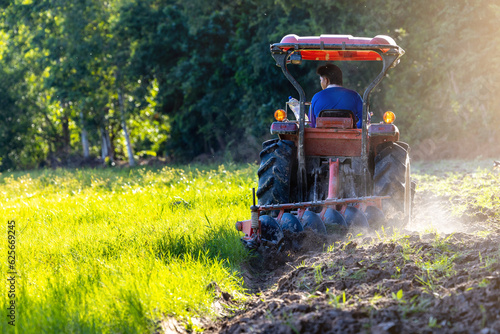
x=389 y=117
x=280 y=115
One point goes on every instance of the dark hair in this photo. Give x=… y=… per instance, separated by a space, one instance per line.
x=331 y=72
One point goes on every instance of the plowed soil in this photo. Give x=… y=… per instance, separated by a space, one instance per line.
x=384 y=281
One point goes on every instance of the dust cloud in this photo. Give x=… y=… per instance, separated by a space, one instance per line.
x=435 y=215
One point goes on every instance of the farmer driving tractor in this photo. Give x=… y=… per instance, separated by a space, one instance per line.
x=334 y=96
x=343 y=171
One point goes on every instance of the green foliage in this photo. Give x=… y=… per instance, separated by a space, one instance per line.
x=398 y=296
x=197 y=76
x=17 y=147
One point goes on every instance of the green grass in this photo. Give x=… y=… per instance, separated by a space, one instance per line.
x=471 y=187
x=113 y=251
x=116 y=250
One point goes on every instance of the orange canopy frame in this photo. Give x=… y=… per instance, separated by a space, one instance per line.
x=338 y=47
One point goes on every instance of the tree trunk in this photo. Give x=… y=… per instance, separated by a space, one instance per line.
x=220 y=140
x=104 y=144
x=65 y=134
x=85 y=139
x=111 y=152
x=130 y=152
x=111 y=139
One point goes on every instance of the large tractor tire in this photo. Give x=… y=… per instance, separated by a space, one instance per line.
x=391 y=177
x=275 y=171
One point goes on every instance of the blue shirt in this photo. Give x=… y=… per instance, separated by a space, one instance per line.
x=336 y=98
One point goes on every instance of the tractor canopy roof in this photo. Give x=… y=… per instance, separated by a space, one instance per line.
x=339 y=47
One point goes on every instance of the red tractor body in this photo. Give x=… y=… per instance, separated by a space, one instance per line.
x=333 y=174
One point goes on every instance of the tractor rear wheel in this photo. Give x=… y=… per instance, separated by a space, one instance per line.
x=275 y=171
x=391 y=177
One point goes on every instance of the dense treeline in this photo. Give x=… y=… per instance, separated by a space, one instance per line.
x=120 y=79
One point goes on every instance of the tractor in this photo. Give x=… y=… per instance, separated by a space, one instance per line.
x=335 y=174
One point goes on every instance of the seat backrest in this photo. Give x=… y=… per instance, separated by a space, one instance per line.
x=336 y=119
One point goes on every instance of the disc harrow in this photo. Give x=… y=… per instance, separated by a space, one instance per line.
x=334 y=214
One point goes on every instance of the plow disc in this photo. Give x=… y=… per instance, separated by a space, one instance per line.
x=374 y=216
x=333 y=220
x=313 y=221
x=291 y=223
x=355 y=217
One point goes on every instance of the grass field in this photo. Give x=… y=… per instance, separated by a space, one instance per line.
x=470 y=187
x=114 y=250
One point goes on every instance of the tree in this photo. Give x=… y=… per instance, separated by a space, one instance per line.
x=177 y=78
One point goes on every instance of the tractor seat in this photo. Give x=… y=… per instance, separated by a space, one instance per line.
x=336 y=119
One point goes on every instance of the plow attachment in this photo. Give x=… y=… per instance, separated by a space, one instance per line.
x=320 y=216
